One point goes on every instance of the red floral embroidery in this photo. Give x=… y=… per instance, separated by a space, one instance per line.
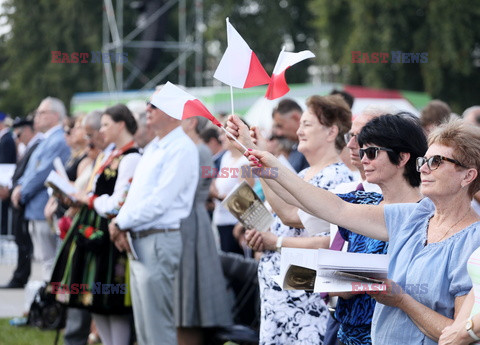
x=89 y=231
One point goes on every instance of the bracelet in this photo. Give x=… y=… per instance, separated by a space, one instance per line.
x=279 y=243
x=469 y=328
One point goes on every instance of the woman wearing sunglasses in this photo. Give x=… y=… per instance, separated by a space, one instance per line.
x=393 y=169
x=299 y=317
x=429 y=241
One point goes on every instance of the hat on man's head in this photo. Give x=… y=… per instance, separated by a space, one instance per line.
x=20 y=122
x=3 y=116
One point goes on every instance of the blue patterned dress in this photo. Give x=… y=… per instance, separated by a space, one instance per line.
x=294 y=317
x=355 y=314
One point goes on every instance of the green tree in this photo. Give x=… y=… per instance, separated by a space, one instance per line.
x=27 y=73
x=448 y=31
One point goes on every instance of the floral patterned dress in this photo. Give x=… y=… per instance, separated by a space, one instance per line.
x=293 y=316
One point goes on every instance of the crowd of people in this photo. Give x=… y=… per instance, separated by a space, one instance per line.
x=146 y=218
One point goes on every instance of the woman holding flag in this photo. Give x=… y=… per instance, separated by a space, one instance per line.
x=429 y=241
x=299 y=317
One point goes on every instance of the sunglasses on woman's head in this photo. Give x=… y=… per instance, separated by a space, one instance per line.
x=372 y=152
x=434 y=162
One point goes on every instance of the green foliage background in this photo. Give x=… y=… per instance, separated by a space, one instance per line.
x=448 y=31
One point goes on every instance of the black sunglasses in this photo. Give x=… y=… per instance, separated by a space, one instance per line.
x=372 y=152
x=434 y=162
x=150 y=104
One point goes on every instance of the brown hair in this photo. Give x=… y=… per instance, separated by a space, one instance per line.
x=120 y=112
x=464 y=139
x=435 y=113
x=331 y=111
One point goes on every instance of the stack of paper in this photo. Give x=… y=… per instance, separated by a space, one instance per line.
x=341 y=271
x=335 y=271
x=6 y=173
x=60 y=185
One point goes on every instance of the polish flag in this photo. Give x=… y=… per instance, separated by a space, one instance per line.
x=179 y=104
x=278 y=85
x=240 y=66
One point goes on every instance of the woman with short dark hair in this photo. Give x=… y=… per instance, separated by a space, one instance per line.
x=429 y=242
x=387 y=158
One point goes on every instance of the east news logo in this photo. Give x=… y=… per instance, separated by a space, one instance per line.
x=394 y=57
x=92 y=57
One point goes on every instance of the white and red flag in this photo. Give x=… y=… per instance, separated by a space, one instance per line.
x=179 y=104
x=278 y=85
x=240 y=66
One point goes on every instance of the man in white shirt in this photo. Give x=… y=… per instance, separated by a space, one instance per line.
x=161 y=194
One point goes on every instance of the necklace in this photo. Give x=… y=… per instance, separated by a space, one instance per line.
x=450 y=228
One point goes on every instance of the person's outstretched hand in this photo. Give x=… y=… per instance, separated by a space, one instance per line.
x=263 y=159
x=258 y=139
x=239 y=130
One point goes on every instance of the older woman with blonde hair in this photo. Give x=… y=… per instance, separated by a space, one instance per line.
x=429 y=241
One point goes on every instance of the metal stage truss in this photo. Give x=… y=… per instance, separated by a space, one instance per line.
x=114 y=41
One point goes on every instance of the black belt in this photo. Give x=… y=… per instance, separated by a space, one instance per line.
x=144 y=233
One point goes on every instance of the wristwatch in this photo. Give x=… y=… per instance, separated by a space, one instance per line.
x=469 y=328
x=279 y=243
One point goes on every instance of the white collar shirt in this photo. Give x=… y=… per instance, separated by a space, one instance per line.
x=37 y=137
x=163 y=186
x=51 y=131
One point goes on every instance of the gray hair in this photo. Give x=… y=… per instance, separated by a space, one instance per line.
x=57 y=106
x=474 y=108
x=93 y=119
x=142 y=119
x=201 y=124
x=375 y=110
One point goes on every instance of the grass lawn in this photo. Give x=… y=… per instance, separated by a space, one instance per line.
x=10 y=335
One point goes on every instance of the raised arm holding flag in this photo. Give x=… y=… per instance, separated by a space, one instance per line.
x=181 y=105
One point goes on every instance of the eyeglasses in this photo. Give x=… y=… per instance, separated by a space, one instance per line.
x=434 y=162
x=43 y=112
x=150 y=104
x=17 y=134
x=348 y=136
x=372 y=152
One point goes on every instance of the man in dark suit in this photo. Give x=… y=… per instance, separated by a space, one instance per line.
x=31 y=191
x=26 y=135
x=8 y=155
